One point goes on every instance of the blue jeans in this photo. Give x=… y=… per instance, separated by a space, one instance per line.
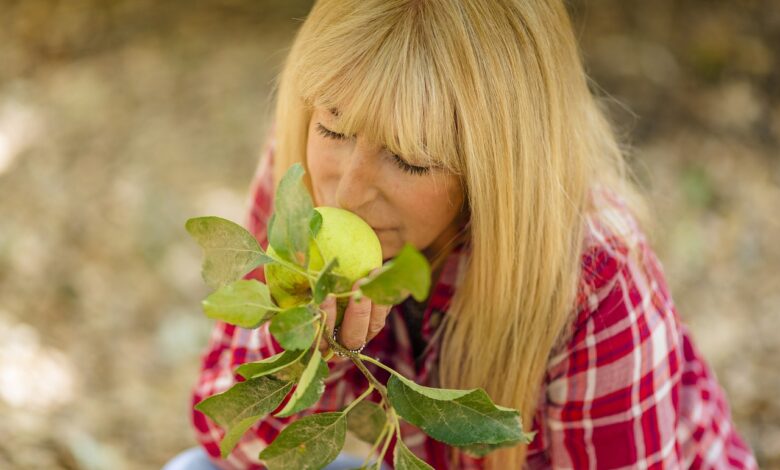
x=195 y=458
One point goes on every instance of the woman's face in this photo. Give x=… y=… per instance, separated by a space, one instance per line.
x=415 y=205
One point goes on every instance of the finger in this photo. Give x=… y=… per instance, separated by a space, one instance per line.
x=354 y=326
x=379 y=314
x=378 y=317
x=329 y=306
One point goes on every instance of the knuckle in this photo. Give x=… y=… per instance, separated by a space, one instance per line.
x=360 y=309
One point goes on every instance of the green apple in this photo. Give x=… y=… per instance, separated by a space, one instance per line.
x=342 y=235
x=287 y=287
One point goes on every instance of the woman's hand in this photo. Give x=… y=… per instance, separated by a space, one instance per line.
x=363 y=320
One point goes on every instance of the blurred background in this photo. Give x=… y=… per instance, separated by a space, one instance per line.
x=121 y=119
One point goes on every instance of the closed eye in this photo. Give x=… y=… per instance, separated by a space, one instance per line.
x=415 y=170
x=329 y=133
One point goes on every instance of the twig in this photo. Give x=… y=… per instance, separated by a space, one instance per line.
x=362 y=367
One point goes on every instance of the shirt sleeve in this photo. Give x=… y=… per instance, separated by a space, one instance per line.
x=230 y=346
x=613 y=393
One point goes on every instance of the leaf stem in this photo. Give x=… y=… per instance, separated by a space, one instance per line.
x=388 y=438
x=294 y=267
x=397 y=424
x=376 y=444
x=377 y=363
x=359 y=399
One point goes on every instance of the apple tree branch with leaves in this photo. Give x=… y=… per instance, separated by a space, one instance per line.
x=467 y=419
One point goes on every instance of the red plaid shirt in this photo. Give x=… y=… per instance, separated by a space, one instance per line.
x=629 y=390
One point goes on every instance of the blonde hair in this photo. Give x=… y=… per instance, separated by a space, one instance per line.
x=495 y=92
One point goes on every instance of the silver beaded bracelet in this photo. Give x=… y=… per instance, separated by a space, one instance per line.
x=353 y=351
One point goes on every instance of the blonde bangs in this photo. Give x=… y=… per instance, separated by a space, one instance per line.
x=384 y=86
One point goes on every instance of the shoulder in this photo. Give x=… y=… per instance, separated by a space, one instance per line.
x=612 y=391
x=623 y=306
x=616 y=258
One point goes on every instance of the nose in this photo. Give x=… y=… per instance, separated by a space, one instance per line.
x=357 y=184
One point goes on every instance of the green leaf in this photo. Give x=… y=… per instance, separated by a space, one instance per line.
x=328 y=282
x=245 y=303
x=294 y=328
x=230 y=250
x=236 y=409
x=290 y=232
x=270 y=225
x=293 y=372
x=366 y=420
x=315 y=223
x=408 y=272
x=404 y=459
x=310 y=442
x=310 y=386
x=459 y=418
x=269 y=365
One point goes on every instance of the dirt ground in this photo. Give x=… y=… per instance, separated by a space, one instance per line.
x=120 y=120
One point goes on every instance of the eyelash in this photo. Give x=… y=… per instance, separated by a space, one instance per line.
x=415 y=170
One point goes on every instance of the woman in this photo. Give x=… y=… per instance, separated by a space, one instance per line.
x=467 y=128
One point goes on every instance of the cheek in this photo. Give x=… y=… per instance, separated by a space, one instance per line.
x=428 y=214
